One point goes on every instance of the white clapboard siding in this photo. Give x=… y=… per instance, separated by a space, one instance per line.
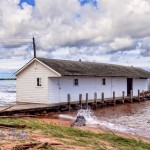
x=119 y=85
x=60 y=87
x=141 y=84
x=27 y=89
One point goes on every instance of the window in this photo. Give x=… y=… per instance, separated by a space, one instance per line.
x=104 y=81
x=39 y=82
x=76 y=82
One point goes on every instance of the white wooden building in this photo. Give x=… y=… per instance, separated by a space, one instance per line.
x=49 y=80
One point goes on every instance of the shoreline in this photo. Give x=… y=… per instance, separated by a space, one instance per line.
x=59 y=134
x=100 y=129
x=55 y=118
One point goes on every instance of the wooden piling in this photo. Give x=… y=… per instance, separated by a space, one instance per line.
x=86 y=100
x=131 y=96
x=143 y=95
x=139 y=95
x=102 y=97
x=95 y=99
x=123 y=96
x=80 y=100
x=114 y=99
x=69 y=101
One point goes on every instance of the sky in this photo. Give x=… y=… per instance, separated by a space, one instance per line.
x=107 y=31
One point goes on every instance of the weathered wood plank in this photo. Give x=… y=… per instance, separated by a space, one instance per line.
x=114 y=100
x=86 y=100
x=95 y=99
x=69 y=101
x=139 y=95
x=80 y=100
x=123 y=96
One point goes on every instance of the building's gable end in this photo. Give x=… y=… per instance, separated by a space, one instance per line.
x=55 y=73
x=32 y=83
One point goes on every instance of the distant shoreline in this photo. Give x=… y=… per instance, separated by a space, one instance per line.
x=8 y=79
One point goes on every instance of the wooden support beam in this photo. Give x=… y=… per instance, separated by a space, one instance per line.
x=143 y=95
x=95 y=99
x=69 y=101
x=114 y=99
x=123 y=96
x=80 y=100
x=103 y=97
x=86 y=100
x=131 y=96
x=139 y=95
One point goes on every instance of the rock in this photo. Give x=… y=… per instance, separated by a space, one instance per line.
x=80 y=121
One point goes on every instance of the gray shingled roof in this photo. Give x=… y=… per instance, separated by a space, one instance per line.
x=79 y=68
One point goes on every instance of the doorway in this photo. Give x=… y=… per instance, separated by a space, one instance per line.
x=129 y=85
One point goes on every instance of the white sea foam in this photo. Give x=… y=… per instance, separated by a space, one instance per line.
x=113 y=124
x=93 y=121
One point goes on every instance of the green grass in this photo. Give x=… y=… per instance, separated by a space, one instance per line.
x=81 y=138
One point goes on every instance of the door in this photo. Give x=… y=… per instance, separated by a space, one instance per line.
x=129 y=85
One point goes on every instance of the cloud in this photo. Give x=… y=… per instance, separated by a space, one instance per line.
x=120 y=43
x=75 y=29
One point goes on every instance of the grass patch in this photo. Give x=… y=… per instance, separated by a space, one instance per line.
x=81 y=138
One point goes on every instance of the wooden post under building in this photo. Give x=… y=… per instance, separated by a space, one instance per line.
x=123 y=96
x=143 y=95
x=114 y=99
x=103 y=98
x=95 y=99
x=139 y=95
x=80 y=100
x=86 y=100
x=69 y=101
x=131 y=96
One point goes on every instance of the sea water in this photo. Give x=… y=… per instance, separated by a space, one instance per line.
x=7 y=92
x=127 y=118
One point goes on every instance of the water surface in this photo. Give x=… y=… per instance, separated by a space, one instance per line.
x=7 y=92
x=133 y=118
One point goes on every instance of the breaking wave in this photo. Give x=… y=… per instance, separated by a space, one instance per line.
x=93 y=121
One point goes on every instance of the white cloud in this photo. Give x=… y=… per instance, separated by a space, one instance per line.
x=15 y=64
x=120 y=43
x=64 y=29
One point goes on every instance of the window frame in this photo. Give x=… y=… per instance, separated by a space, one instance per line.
x=39 y=81
x=103 y=81
x=76 y=82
